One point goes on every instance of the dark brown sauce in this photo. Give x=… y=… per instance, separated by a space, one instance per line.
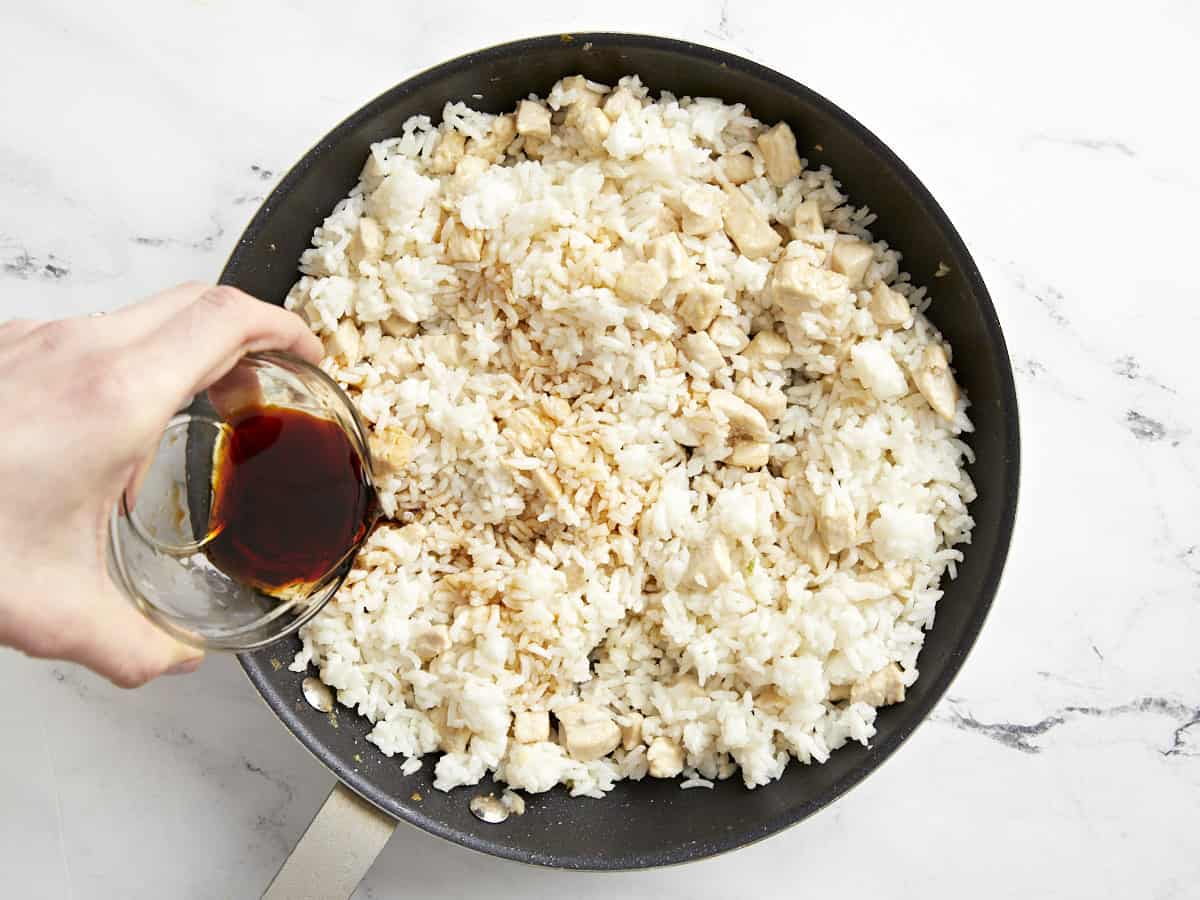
x=290 y=499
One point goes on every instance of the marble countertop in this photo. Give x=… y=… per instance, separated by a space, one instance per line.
x=139 y=137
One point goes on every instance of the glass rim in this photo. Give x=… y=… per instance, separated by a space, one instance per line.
x=247 y=636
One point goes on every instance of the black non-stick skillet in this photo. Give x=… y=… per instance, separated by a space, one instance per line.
x=650 y=823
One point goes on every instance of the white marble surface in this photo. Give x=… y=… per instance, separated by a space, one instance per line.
x=137 y=139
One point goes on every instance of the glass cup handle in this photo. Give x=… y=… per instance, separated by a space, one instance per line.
x=161 y=512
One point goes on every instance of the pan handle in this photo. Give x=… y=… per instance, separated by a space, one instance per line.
x=335 y=851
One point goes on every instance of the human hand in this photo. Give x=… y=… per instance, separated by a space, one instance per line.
x=83 y=403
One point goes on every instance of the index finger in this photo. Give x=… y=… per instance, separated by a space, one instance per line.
x=204 y=340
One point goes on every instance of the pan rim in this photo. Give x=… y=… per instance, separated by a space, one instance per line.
x=879 y=752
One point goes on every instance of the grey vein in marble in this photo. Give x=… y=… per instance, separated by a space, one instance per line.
x=70 y=679
x=1022 y=737
x=1130 y=369
x=1143 y=427
x=723 y=22
x=273 y=820
x=1051 y=299
x=725 y=32
x=25 y=266
x=1190 y=557
x=1036 y=372
x=1029 y=367
x=1048 y=297
x=1096 y=145
x=203 y=244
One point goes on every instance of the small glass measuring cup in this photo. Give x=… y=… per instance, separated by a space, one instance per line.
x=160 y=543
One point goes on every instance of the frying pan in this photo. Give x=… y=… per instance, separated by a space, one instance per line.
x=648 y=823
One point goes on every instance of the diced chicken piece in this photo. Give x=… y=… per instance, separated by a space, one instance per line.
x=587 y=732
x=372 y=333
x=895 y=578
x=665 y=758
x=367 y=243
x=685 y=433
x=531 y=726
x=701 y=350
x=469 y=168
x=747 y=227
x=398 y=327
x=584 y=98
x=770 y=700
x=462 y=244
x=454 y=740
x=794 y=467
x=750 y=455
x=710 y=566
x=690 y=431
x=662 y=221
x=533 y=148
x=642 y=282
x=743 y=418
x=533 y=120
x=874 y=366
x=771 y=402
x=738 y=167
x=839 y=692
x=495 y=143
x=428 y=641
x=807 y=220
x=345 y=344
x=620 y=102
x=728 y=336
x=548 y=485
x=593 y=127
x=936 y=382
x=446 y=347
x=309 y=311
x=391 y=450
x=569 y=451
x=372 y=172
x=526 y=430
x=767 y=349
x=631 y=731
x=889 y=308
x=797 y=287
x=778 y=148
x=810 y=549
x=555 y=407
x=670 y=255
x=664 y=353
x=396 y=355
x=883 y=688
x=686 y=688
x=836 y=522
x=851 y=257
x=700 y=305
x=449 y=151
x=702 y=209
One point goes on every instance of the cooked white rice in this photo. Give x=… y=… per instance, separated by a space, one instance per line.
x=575 y=583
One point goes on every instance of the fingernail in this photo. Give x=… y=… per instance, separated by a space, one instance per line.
x=185 y=667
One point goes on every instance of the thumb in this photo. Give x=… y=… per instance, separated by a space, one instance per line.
x=119 y=643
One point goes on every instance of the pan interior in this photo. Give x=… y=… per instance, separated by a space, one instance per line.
x=654 y=823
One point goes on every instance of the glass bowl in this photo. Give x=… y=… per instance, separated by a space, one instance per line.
x=158 y=542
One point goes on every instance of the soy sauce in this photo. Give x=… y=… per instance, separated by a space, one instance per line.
x=290 y=499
